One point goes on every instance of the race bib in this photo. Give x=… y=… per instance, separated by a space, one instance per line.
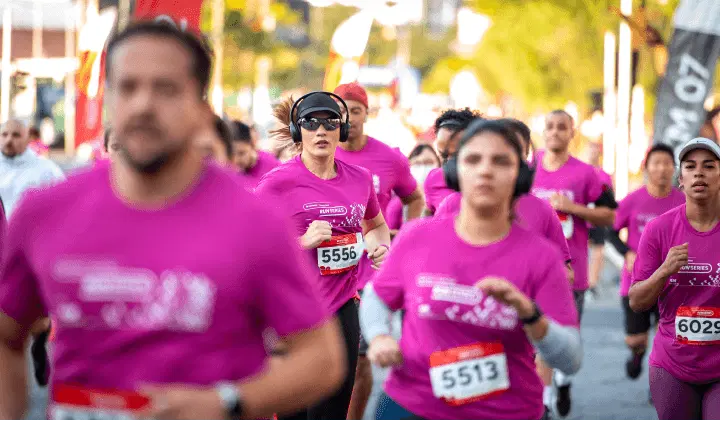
x=697 y=325
x=567 y=224
x=340 y=254
x=78 y=403
x=469 y=373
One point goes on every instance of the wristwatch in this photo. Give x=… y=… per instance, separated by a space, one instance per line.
x=231 y=400
x=534 y=318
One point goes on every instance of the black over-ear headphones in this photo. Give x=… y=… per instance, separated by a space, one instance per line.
x=525 y=173
x=344 y=127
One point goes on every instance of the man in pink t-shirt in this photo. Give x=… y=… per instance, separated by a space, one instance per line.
x=156 y=315
x=252 y=163
x=449 y=128
x=570 y=186
x=390 y=174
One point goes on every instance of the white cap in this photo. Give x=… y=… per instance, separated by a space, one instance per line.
x=700 y=143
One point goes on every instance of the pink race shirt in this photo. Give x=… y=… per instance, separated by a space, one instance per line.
x=135 y=294
x=435 y=189
x=394 y=213
x=531 y=213
x=634 y=212
x=454 y=336
x=390 y=174
x=604 y=177
x=344 y=201
x=687 y=344
x=579 y=182
x=265 y=162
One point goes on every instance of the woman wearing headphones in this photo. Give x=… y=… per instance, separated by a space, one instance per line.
x=478 y=292
x=336 y=215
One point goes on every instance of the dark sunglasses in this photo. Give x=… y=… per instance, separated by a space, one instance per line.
x=313 y=123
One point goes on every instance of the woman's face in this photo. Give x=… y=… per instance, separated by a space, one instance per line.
x=700 y=175
x=487 y=171
x=317 y=140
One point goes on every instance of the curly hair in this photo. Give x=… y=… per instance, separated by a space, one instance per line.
x=456 y=120
x=281 y=134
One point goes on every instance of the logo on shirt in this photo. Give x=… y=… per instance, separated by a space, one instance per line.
x=546 y=194
x=376 y=183
x=325 y=209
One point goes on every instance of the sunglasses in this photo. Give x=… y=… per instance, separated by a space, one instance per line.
x=313 y=123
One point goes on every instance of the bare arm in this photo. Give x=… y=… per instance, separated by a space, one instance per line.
x=599 y=216
x=415 y=203
x=376 y=232
x=13 y=379
x=314 y=357
x=644 y=294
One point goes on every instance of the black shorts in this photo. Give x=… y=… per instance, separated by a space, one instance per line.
x=362 y=351
x=597 y=235
x=637 y=323
x=579 y=297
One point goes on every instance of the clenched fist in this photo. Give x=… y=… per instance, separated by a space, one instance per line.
x=677 y=257
x=317 y=232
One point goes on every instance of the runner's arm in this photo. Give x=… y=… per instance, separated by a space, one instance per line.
x=561 y=348
x=602 y=214
x=415 y=203
x=374 y=315
x=649 y=274
x=644 y=294
x=13 y=379
x=376 y=232
x=313 y=357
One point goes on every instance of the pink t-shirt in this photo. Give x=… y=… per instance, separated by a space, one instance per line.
x=448 y=323
x=435 y=189
x=531 y=213
x=604 y=177
x=265 y=162
x=344 y=201
x=389 y=168
x=578 y=181
x=687 y=344
x=135 y=295
x=394 y=213
x=390 y=174
x=634 y=212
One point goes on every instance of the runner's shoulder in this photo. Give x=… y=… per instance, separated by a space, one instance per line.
x=666 y=220
x=281 y=177
x=354 y=171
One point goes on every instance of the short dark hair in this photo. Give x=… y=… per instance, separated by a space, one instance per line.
x=497 y=127
x=518 y=127
x=419 y=149
x=225 y=134
x=456 y=120
x=106 y=140
x=201 y=60
x=33 y=132
x=565 y=113
x=660 y=148
x=241 y=132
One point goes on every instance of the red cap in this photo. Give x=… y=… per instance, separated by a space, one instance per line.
x=352 y=92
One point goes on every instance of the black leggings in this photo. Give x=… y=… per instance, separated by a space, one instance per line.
x=336 y=406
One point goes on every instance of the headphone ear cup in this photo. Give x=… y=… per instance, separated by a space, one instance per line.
x=295 y=133
x=524 y=182
x=344 y=132
x=451 y=173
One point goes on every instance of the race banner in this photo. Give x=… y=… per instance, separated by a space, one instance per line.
x=693 y=55
x=183 y=13
x=90 y=77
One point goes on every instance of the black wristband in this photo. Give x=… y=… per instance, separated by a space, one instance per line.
x=534 y=318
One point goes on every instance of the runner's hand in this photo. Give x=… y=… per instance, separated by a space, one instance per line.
x=178 y=402
x=384 y=351
x=377 y=256
x=630 y=260
x=317 y=232
x=506 y=293
x=677 y=257
x=560 y=202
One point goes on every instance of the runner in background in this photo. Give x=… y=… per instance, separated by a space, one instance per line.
x=448 y=129
x=677 y=270
x=36 y=143
x=390 y=174
x=423 y=160
x=336 y=215
x=596 y=234
x=474 y=298
x=570 y=186
x=535 y=215
x=131 y=276
x=251 y=163
x=110 y=144
x=634 y=213
x=215 y=137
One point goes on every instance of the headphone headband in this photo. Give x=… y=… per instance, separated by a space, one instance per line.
x=344 y=128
